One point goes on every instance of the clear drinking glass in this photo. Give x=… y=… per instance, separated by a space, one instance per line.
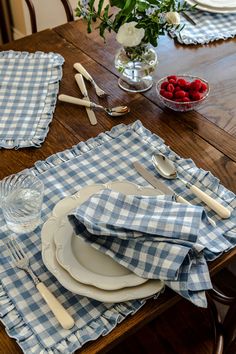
x=21 y=198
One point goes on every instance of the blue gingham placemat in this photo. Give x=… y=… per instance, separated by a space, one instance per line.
x=105 y=158
x=29 y=84
x=209 y=27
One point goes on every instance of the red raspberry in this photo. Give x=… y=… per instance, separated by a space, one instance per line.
x=187 y=94
x=179 y=94
x=170 y=88
x=177 y=88
x=172 y=81
x=178 y=99
x=187 y=86
x=164 y=85
x=181 y=82
x=162 y=91
x=168 y=95
x=172 y=77
x=196 y=96
x=203 y=87
x=186 y=99
x=196 y=85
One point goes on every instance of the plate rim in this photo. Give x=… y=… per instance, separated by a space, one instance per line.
x=83 y=275
x=147 y=289
x=215 y=7
x=210 y=9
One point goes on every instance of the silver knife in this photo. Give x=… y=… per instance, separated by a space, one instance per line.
x=91 y=115
x=154 y=181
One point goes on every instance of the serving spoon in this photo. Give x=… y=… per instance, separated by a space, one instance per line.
x=166 y=169
x=112 y=111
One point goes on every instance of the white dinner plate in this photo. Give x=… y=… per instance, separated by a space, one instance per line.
x=88 y=265
x=61 y=209
x=212 y=9
x=220 y=4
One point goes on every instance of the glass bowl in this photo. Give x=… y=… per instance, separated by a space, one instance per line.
x=182 y=106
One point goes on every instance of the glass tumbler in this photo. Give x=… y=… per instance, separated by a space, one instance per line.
x=21 y=198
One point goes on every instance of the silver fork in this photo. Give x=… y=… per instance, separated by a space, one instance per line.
x=79 y=67
x=21 y=261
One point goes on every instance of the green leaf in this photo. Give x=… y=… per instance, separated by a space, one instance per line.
x=129 y=6
x=118 y=3
x=91 y=4
x=100 y=6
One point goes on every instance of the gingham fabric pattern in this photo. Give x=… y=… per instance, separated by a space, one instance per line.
x=29 y=84
x=209 y=27
x=154 y=237
x=105 y=158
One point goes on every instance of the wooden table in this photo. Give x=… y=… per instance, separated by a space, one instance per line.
x=208 y=136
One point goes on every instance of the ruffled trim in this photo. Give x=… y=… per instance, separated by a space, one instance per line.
x=92 y=143
x=50 y=101
x=185 y=39
x=192 y=173
x=29 y=343
x=207 y=29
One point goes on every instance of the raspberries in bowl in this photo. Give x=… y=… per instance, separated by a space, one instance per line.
x=182 y=93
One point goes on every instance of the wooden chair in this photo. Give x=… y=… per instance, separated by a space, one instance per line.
x=66 y=4
x=224 y=293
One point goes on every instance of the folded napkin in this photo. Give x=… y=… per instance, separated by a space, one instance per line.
x=29 y=85
x=209 y=27
x=153 y=236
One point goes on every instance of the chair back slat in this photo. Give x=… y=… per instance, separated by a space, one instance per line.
x=67 y=7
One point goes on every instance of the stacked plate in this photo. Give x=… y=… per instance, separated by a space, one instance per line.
x=82 y=269
x=215 y=6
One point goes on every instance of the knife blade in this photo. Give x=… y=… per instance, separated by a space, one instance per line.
x=154 y=181
x=80 y=81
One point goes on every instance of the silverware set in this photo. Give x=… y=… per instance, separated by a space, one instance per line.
x=167 y=170
x=85 y=101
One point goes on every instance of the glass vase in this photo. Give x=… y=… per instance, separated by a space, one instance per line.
x=136 y=66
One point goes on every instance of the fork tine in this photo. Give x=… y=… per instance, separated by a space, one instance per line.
x=15 y=250
x=11 y=251
x=18 y=249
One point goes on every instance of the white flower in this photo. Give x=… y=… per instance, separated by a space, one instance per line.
x=130 y=36
x=173 y=18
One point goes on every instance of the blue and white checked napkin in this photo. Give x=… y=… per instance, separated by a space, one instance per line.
x=105 y=158
x=154 y=237
x=29 y=84
x=209 y=27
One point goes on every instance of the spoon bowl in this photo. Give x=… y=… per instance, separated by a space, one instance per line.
x=117 y=111
x=164 y=166
x=167 y=169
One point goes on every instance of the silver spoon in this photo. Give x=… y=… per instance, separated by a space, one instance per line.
x=166 y=169
x=113 y=111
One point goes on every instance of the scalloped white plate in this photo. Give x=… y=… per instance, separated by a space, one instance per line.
x=218 y=10
x=61 y=209
x=88 y=265
x=222 y=4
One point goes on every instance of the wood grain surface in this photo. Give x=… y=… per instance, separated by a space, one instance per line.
x=208 y=135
